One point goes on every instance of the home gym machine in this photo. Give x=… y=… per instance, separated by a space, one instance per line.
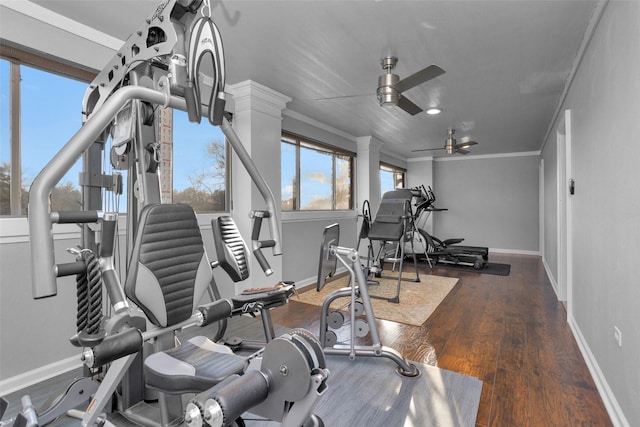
x=359 y=305
x=175 y=60
x=447 y=251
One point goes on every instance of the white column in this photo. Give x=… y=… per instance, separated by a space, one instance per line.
x=257 y=120
x=368 y=172
x=367 y=178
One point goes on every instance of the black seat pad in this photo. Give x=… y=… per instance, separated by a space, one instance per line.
x=192 y=367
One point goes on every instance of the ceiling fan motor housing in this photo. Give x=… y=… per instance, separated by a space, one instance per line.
x=388 y=96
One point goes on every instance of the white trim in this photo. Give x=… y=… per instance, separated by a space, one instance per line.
x=252 y=96
x=514 y=251
x=305 y=216
x=541 y=207
x=613 y=408
x=16 y=230
x=63 y=23
x=421 y=159
x=552 y=280
x=313 y=122
x=569 y=211
x=26 y=379
x=487 y=156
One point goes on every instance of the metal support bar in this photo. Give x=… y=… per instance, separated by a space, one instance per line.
x=256 y=177
x=43 y=278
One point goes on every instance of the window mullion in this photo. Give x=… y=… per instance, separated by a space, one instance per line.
x=15 y=141
x=333 y=182
x=296 y=201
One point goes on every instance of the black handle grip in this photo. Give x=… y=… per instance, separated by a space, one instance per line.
x=70 y=268
x=107 y=244
x=74 y=217
x=218 y=111
x=193 y=110
x=264 y=264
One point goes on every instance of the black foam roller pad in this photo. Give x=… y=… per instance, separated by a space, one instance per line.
x=116 y=346
x=238 y=395
x=215 y=311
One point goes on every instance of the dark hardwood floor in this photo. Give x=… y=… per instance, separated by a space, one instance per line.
x=508 y=331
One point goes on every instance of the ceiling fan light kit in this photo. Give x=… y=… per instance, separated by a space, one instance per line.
x=387 y=94
x=390 y=87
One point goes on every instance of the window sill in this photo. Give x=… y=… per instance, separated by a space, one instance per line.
x=16 y=229
x=302 y=216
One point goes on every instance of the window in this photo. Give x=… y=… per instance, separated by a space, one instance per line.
x=315 y=176
x=200 y=166
x=41 y=110
x=391 y=177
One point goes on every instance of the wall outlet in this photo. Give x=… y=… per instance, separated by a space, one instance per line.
x=617 y=335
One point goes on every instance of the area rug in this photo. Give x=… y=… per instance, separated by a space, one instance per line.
x=418 y=300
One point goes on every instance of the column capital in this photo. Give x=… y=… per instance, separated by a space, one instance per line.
x=369 y=143
x=252 y=96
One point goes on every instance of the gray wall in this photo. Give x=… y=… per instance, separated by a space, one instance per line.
x=33 y=332
x=301 y=246
x=492 y=201
x=604 y=100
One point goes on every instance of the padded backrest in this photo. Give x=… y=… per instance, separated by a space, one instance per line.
x=231 y=249
x=169 y=270
x=389 y=223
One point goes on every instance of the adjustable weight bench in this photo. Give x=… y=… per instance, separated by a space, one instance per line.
x=393 y=224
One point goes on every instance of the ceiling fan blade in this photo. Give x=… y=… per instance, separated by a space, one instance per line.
x=466 y=144
x=408 y=106
x=461 y=151
x=344 y=96
x=426 y=149
x=422 y=76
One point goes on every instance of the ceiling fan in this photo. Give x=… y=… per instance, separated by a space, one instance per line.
x=450 y=146
x=390 y=87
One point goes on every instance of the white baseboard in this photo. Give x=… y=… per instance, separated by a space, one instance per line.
x=514 y=251
x=37 y=375
x=615 y=412
x=552 y=279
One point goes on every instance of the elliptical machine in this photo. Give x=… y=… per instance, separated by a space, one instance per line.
x=447 y=251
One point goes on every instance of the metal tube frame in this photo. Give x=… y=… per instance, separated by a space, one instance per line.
x=376 y=349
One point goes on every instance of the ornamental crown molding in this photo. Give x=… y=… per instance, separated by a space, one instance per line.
x=369 y=143
x=252 y=96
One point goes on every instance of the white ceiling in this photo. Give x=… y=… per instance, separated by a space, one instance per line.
x=506 y=62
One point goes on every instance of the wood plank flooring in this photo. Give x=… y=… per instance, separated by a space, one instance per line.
x=508 y=331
